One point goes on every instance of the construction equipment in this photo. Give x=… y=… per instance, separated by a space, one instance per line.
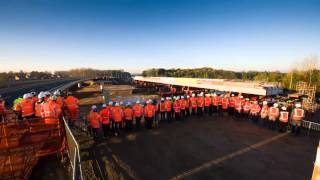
x=309 y=91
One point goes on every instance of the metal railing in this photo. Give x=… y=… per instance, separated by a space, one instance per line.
x=309 y=125
x=73 y=151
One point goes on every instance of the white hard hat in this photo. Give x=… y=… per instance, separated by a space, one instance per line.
x=57 y=93
x=148 y=102
x=110 y=103
x=138 y=102
x=182 y=97
x=275 y=105
x=188 y=96
x=93 y=107
x=193 y=95
x=41 y=95
x=104 y=105
x=283 y=108
x=33 y=93
x=264 y=102
x=247 y=99
x=174 y=97
x=169 y=98
x=121 y=102
x=232 y=95
x=241 y=97
x=178 y=97
x=47 y=93
x=129 y=103
x=25 y=96
x=298 y=105
x=214 y=95
x=117 y=104
x=162 y=99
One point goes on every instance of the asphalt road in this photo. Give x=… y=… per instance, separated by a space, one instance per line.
x=206 y=148
x=16 y=92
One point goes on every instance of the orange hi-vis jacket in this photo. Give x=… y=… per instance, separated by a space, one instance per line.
x=168 y=105
x=26 y=107
x=183 y=104
x=298 y=114
x=187 y=102
x=284 y=116
x=94 y=118
x=264 y=111
x=273 y=112
x=38 y=109
x=105 y=115
x=72 y=102
x=237 y=104
x=117 y=113
x=128 y=113
x=162 y=106
x=207 y=101
x=219 y=100
x=34 y=99
x=215 y=100
x=255 y=109
x=60 y=100
x=247 y=106
x=177 y=106
x=137 y=110
x=225 y=103
x=243 y=102
x=193 y=101
x=200 y=101
x=2 y=107
x=231 y=102
x=149 y=111
x=51 y=112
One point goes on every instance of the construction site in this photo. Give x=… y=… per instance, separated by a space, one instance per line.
x=208 y=147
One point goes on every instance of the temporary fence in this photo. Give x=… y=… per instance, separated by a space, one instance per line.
x=310 y=126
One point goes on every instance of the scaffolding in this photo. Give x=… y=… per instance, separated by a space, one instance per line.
x=309 y=91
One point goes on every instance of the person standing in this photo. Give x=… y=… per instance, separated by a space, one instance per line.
x=238 y=106
x=246 y=108
x=297 y=116
x=94 y=119
x=128 y=117
x=231 y=105
x=118 y=115
x=215 y=102
x=200 y=103
x=225 y=104
x=254 y=111
x=168 y=105
x=162 y=108
x=51 y=111
x=264 y=114
x=105 y=120
x=38 y=105
x=273 y=116
x=149 y=112
x=177 y=109
x=188 y=106
x=72 y=106
x=283 y=119
x=183 y=104
x=193 y=101
x=26 y=107
x=207 y=104
x=137 y=113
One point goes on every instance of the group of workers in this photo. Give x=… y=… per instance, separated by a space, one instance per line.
x=116 y=115
x=44 y=105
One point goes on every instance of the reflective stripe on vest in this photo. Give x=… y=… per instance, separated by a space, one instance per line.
x=284 y=116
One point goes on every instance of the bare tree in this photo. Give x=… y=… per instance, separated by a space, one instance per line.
x=310 y=64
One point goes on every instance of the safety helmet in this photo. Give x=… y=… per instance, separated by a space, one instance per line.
x=214 y=94
x=247 y=99
x=54 y=98
x=104 y=105
x=298 y=105
x=25 y=96
x=117 y=104
x=129 y=104
x=93 y=107
x=169 y=98
x=188 y=96
x=264 y=102
x=283 y=108
x=241 y=97
x=255 y=102
x=138 y=102
x=110 y=103
x=174 y=97
x=41 y=95
x=148 y=101
x=121 y=102
x=69 y=93
x=232 y=95
x=275 y=105
x=33 y=93
x=47 y=93
x=182 y=97
x=193 y=95
x=162 y=99
x=57 y=93
x=178 y=97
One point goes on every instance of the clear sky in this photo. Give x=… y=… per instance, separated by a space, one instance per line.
x=137 y=34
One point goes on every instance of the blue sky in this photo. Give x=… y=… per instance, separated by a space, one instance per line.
x=137 y=34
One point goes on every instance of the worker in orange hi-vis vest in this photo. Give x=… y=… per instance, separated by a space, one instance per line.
x=60 y=99
x=188 y=106
x=207 y=104
x=246 y=107
x=283 y=119
x=162 y=109
x=215 y=103
x=231 y=105
x=26 y=107
x=200 y=103
x=273 y=116
x=238 y=106
x=193 y=102
x=72 y=107
x=118 y=116
x=94 y=119
x=51 y=111
x=34 y=97
x=137 y=114
x=254 y=111
x=183 y=104
x=105 y=115
x=264 y=114
x=128 y=116
x=38 y=105
x=168 y=105
x=3 y=109
x=225 y=103
x=219 y=98
x=149 y=113
x=297 y=115
x=177 y=108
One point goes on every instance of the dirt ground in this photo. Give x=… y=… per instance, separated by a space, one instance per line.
x=217 y=147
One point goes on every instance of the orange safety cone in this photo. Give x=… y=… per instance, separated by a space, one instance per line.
x=316 y=169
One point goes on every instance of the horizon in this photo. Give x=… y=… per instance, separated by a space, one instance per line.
x=243 y=35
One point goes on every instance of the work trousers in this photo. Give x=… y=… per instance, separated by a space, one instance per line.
x=117 y=126
x=206 y=109
x=129 y=125
x=94 y=133
x=138 y=123
x=194 y=111
x=214 y=109
x=162 y=115
x=183 y=113
x=200 y=111
x=149 y=121
x=169 y=116
x=177 y=116
x=106 y=129
x=231 y=110
x=283 y=126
